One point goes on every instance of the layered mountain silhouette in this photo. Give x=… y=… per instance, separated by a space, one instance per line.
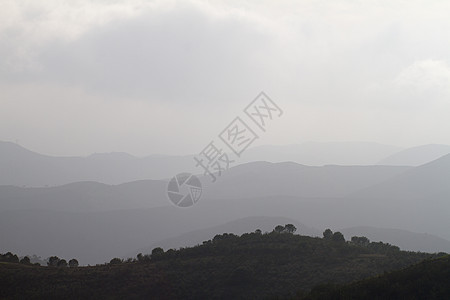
x=291 y=179
x=96 y=221
x=258 y=179
x=86 y=196
x=22 y=167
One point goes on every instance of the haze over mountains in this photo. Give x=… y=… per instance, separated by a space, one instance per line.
x=257 y=179
x=95 y=221
x=333 y=116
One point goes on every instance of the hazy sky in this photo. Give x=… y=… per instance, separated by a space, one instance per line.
x=145 y=77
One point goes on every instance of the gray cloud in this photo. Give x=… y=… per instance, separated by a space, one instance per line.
x=178 y=55
x=336 y=68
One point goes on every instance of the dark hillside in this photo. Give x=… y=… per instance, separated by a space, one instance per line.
x=252 y=265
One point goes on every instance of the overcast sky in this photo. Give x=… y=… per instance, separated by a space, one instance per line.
x=144 y=77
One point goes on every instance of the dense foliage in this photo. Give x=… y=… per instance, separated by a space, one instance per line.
x=429 y=279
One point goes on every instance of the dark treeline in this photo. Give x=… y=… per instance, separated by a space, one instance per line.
x=53 y=261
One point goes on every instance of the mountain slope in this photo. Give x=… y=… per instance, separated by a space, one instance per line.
x=427 y=181
x=417 y=200
x=416 y=156
x=21 y=167
x=85 y=196
x=322 y=153
x=262 y=179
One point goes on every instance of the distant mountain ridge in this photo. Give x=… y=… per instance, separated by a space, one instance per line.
x=22 y=167
x=86 y=196
x=291 y=179
x=243 y=181
x=425 y=181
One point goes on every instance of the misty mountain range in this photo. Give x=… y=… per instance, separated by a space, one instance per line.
x=257 y=179
x=22 y=167
x=96 y=221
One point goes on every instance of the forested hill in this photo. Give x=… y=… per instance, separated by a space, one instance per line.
x=253 y=265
